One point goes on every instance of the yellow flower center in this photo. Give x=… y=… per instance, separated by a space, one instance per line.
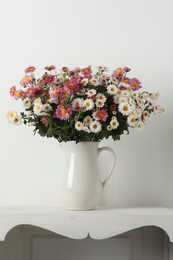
x=125 y=108
x=63 y=111
x=135 y=83
x=11 y=115
x=54 y=91
x=119 y=71
x=64 y=91
x=26 y=79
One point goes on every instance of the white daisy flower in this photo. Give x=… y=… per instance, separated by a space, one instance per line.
x=164 y=109
x=154 y=96
x=150 y=104
x=139 y=125
x=144 y=95
x=100 y=96
x=27 y=102
x=88 y=104
x=37 y=101
x=114 y=80
x=86 y=129
x=109 y=127
x=56 y=72
x=155 y=109
x=60 y=79
x=116 y=99
x=133 y=111
x=95 y=127
x=140 y=102
x=138 y=113
x=84 y=81
x=131 y=120
x=46 y=108
x=99 y=103
x=145 y=114
x=114 y=123
x=87 y=120
x=17 y=120
x=112 y=89
x=131 y=101
x=125 y=93
x=29 y=113
x=11 y=115
x=103 y=79
x=122 y=99
x=94 y=81
x=114 y=112
x=91 y=92
x=77 y=103
x=102 y=68
x=124 y=108
x=37 y=109
x=79 y=125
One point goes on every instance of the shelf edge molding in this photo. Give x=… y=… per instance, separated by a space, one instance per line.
x=101 y=223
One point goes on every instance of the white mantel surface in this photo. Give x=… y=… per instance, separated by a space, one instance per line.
x=98 y=224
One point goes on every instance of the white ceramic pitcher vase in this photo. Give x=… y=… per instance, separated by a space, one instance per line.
x=80 y=183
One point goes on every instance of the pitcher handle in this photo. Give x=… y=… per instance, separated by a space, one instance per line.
x=108 y=149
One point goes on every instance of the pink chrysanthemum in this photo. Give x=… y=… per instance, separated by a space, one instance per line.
x=49 y=79
x=23 y=94
x=73 y=85
x=17 y=94
x=135 y=84
x=12 y=91
x=101 y=115
x=87 y=72
x=30 y=69
x=119 y=72
x=37 y=89
x=30 y=92
x=44 y=120
x=51 y=67
x=26 y=80
x=65 y=69
x=63 y=112
x=65 y=92
x=126 y=80
x=54 y=92
x=127 y=69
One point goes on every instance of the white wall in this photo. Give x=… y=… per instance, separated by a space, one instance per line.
x=133 y=33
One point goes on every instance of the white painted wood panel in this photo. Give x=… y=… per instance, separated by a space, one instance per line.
x=42 y=245
x=171 y=251
x=153 y=244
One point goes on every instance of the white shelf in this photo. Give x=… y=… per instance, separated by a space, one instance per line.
x=98 y=224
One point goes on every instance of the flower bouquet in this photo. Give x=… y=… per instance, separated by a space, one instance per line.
x=81 y=105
